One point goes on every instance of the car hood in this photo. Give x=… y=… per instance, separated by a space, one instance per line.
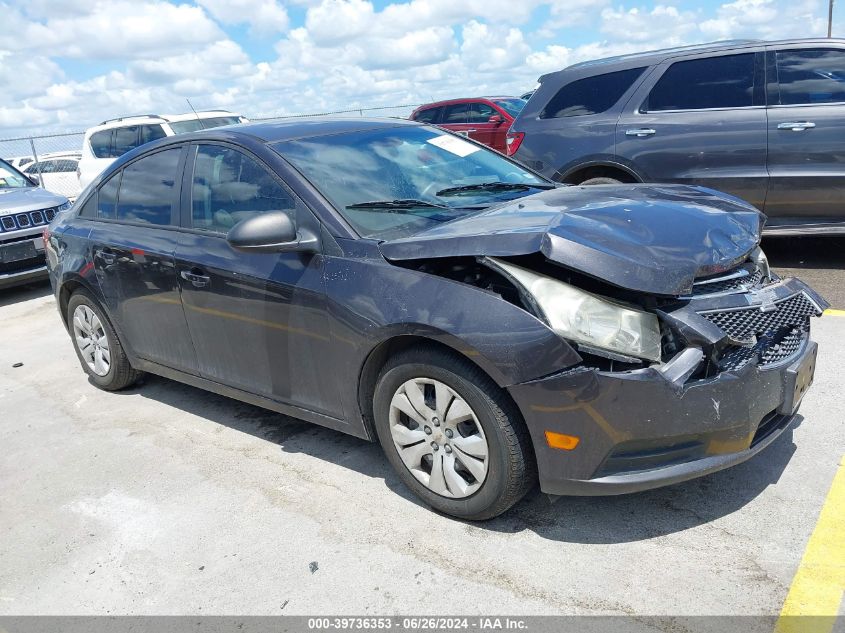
x=17 y=200
x=649 y=238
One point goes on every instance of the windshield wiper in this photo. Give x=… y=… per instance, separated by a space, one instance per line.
x=494 y=186
x=404 y=203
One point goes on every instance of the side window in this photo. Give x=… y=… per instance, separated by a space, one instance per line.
x=481 y=112
x=456 y=113
x=125 y=139
x=229 y=186
x=814 y=75
x=150 y=133
x=591 y=95
x=65 y=166
x=107 y=197
x=101 y=143
x=89 y=209
x=431 y=115
x=147 y=188
x=712 y=82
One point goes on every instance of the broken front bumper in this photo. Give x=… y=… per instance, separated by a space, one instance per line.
x=647 y=428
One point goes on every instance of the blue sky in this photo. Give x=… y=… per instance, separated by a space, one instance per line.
x=65 y=65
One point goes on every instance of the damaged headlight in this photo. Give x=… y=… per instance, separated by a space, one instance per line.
x=587 y=318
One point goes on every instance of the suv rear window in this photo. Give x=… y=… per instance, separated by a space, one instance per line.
x=700 y=84
x=117 y=141
x=590 y=95
x=813 y=75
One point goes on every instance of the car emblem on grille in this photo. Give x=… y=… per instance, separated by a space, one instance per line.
x=767 y=300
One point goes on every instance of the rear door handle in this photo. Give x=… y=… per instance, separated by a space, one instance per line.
x=641 y=132
x=796 y=126
x=106 y=255
x=197 y=279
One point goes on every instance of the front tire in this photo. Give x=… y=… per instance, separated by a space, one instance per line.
x=452 y=435
x=97 y=346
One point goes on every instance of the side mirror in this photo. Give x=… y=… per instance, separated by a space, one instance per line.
x=273 y=232
x=497 y=119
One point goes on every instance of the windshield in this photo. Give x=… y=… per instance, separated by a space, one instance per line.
x=394 y=182
x=195 y=125
x=11 y=178
x=511 y=106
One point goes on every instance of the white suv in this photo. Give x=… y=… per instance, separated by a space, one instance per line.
x=111 y=139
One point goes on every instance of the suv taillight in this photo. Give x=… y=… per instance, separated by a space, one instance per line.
x=514 y=140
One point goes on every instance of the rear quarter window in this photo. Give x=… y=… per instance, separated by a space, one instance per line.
x=101 y=143
x=590 y=95
x=429 y=115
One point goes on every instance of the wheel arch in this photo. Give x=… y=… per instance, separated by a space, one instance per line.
x=68 y=287
x=599 y=169
x=387 y=348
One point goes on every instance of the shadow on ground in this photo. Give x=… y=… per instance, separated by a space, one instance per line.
x=18 y=294
x=619 y=519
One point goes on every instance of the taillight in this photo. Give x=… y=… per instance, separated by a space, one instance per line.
x=514 y=140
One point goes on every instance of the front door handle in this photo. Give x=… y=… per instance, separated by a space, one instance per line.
x=197 y=279
x=796 y=126
x=641 y=132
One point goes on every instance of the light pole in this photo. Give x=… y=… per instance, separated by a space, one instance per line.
x=830 y=19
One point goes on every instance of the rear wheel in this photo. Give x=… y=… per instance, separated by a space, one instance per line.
x=452 y=435
x=97 y=346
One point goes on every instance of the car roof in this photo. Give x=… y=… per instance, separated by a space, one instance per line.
x=647 y=58
x=135 y=119
x=462 y=100
x=300 y=127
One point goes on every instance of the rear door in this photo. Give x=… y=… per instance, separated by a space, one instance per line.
x=700 y=121
x=258 y=320
x=806 y=135
x=133 y=240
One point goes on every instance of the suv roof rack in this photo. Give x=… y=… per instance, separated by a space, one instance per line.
x=132 y=116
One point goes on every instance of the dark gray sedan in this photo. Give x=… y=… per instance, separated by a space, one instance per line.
x=396 y=282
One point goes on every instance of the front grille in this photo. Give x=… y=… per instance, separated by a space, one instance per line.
x=744 y=325
x=772 y=349
x=744 y=278
x=27 y=220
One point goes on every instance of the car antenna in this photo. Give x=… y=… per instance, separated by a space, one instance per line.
x=195 y=113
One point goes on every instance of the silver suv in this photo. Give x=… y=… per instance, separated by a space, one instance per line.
x=25 y=210
x=764 y=121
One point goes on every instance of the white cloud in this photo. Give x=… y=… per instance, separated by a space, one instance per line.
x=330 y=54
x=113 y=30
x=264 y=17
x=663 y=24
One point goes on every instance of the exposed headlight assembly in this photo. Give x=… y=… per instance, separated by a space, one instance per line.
x=587 y=318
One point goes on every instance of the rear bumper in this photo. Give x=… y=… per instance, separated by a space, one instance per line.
x=639 y=430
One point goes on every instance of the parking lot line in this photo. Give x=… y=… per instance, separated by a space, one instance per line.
x=820 y=580
x=833 y=312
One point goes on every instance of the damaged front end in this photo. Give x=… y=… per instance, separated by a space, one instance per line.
x=735 y=361
x=693 y=355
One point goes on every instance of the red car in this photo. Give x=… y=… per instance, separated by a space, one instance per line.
x=483 y=119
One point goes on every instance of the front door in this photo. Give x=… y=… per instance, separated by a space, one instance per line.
x=133 y=240
x=258 y=320
x=700 y=121
x=806 y=135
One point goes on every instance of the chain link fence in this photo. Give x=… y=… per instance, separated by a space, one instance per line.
x=52 y=159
